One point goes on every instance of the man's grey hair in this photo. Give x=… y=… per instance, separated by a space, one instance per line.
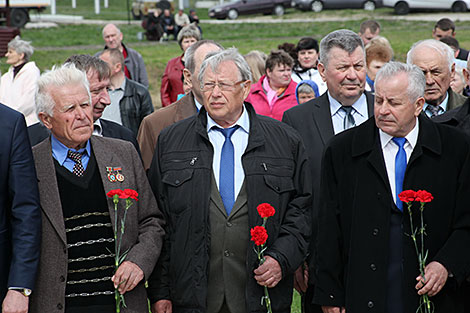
x=416 y=79
x=344 y=39
x=437 y=45
x=21 y=46
x=189 y=62
x=214 y=59
x=87 y=63
x=61 y=76
x=111 y=24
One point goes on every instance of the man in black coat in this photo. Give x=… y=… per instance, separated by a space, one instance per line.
x=98 y=75
x=366 y=260
x=20 y=214
x=207 y=262
x=342 y=66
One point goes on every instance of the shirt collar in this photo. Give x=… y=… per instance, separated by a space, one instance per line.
x=97 y=128
x=360 y=106
x=198 y=105
x=243 y=122
x=59 y=150
x=443 y=104
x=411 y=138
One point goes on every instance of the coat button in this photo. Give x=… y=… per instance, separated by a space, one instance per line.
x=375 y=232
x=62 y=278
x=277 y=188
x=370 y=304
x=177 y=182
x=59 y=306
x=229 y=224
x=373 y=267
x=332 y=297
x=226 y=253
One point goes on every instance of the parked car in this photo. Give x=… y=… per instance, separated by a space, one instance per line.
x=243 y=7
x=404 y=6
x=319 y=5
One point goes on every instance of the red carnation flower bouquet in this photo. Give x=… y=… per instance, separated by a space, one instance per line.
x=259 y=235
x=129 y=195
x=421 y=196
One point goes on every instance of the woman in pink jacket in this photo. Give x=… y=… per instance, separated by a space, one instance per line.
x=274 y=93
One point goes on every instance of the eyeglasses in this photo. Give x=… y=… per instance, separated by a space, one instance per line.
x=222 y=86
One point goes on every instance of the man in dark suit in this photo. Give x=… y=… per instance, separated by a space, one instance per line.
x=75 y=172
x=187 y=106
x=436 y=60
x=98 y=75
x=209 y=174
x=342 y=66
x=20 y=214
x=366 y=259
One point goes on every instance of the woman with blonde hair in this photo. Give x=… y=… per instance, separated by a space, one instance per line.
x=256 y=60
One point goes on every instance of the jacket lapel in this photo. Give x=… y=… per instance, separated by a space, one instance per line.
x=49 y=189
x=185 y=107
x=321 y=114
x=370 y=103
x=104 y=159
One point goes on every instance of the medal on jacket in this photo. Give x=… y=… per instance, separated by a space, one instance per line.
x=119 y=176
x=111 y=176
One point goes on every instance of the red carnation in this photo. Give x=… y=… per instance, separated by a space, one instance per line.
x=407 y=196
x=423 y=196
x=114 y=192
x=131 y=193
x=259 y=235
x=265 y=210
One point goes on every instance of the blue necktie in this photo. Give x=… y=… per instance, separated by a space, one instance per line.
x=400 y=168
x=348 y=120
x=227 y=169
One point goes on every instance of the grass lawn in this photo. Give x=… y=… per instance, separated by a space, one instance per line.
x=54 y=45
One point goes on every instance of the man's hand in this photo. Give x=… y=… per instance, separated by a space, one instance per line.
x=15 y=302
x=435 y=277
x=269 y=274
x=333 y=309
x=161 y=306
x=301 y=278
x=127 y=276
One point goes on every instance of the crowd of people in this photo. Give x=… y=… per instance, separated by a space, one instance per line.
x=331 y=134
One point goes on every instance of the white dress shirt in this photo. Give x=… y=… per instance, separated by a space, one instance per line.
x=239 y=140
x=390 y=149
x=359 y=112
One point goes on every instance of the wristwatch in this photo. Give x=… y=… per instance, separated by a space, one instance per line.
x=24 y=291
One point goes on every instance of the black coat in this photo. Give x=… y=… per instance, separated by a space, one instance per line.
x=276 y=171
x=458 y=117
x=38 y=132
x=355 y=218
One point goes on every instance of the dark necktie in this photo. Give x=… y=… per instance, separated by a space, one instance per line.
x=227 y=170
x=400 y=168
x=348 y=121
x=433 y=109
x=77 y=158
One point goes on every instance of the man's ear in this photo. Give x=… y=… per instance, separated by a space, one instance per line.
x=187 y=76
x=45 y=119
x=321 y=70
x=466 y=75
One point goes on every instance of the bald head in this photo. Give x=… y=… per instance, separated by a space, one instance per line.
x=112 y=37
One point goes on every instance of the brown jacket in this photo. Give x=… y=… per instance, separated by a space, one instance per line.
x=154 y=123
x=143 y=233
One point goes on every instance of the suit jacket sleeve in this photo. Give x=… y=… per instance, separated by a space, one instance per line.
x=158 y=283
x=329 y=287
x=147 y=249
x=25 y=209
x=291 y=246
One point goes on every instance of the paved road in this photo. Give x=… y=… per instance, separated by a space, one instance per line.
x=45 y=20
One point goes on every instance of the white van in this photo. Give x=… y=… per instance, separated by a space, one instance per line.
x=403 y=6
x=19 y=10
